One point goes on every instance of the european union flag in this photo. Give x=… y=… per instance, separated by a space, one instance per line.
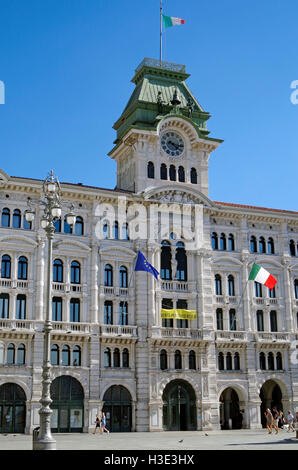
x=143 y=265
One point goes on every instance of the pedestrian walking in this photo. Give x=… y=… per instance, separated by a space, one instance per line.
x=281 y=420
x=103 y=424
x=275 y=415
x=97 y=424
x=290 y=421
x=269 y=420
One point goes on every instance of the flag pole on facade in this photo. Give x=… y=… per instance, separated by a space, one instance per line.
x=160 y=45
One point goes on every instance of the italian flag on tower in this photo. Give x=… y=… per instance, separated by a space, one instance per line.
x=262 y=276
x=171 y=21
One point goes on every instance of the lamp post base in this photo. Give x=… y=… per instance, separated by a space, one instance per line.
x=44 y=445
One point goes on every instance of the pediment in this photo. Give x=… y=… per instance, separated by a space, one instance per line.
x=170 y=194
x=114 y=248
x=19 y=240
x=3 y=176
x=227 y=261
x=70 y=245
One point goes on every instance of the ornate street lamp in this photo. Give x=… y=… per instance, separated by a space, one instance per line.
x=52 y=212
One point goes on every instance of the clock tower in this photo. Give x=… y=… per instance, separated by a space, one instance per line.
x=162 y=136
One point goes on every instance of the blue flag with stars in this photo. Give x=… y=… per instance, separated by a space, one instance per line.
x=143 y=265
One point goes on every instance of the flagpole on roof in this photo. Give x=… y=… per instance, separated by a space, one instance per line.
x=160 y=45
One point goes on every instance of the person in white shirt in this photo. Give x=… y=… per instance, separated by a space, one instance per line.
x=290 y=419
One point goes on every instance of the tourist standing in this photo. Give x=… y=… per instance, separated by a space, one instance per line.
x=290 y=421
x=275 y=416
x=269 y=420
x=103 y=424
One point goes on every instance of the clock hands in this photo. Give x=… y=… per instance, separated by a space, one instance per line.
x=177 y=146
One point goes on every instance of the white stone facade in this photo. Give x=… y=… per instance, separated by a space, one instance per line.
x=143 y=335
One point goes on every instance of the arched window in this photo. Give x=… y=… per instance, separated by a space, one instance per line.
x=107 y=357
x=229 y=361
x=214 y=241
x=108 y=312
x=116 y=230
x=116 y=358
x=67 y=227
x=125 y=234
x=295 y=288
x=270 y=361
x=292 y=248
x=150 y=170
x=163 y=172
x=76 y=356
x=178 y=359
x=231 y=286
x=21 y=354
x=26 y=225
x=273 y=321
x=55 y=355
x=105 y=231
x=236 y=361
x=270 y=246
x=79 y=226
x=125 y=358
x=75 y=307
x=192 y=360
x=262 y=361
x=58 y=270
x=4 y=306
x=223 y=242
x=258 y=289
x=193 y=176
x=172 y=173
x=181 y=258
x=232 y=317
x=16 y=219
x=221 y=363
x=57 y=225
x=260 y=320
x=5 y=218
x=272 y=293
x=262 y=245
x=6 y=267
x=181 y=174
x=108 y=275
x=22 y=268
x=10 y=358
x=278 y=361
x=123 y=317
x=57 y=309
x=253 y=244
x=163 y=359
x=21 y=307
x=219 y=319
x=231 y=242
x=123 y=277
x=166 y=258
x=66 y=355
x=75 y=272
x=218 y=288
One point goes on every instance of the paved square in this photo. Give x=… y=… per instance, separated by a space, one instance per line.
x=199 y=440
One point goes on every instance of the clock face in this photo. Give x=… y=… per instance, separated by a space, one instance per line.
x=172 y=144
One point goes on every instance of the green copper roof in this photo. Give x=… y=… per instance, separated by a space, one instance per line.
x=155 y=81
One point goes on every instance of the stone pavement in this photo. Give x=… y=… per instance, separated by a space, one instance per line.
x=245 y=439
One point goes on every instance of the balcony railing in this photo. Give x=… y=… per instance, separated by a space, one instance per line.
x=118 y=330
x=67 y=287
x=272 y=337
x=16 y=324
x=177 y=333
x=175 y=286
x=67 y=327
x=231 y=335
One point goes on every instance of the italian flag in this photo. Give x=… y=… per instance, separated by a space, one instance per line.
x=262 y=276
x=171 y=21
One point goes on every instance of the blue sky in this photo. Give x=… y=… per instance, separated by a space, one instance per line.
x=67 y=66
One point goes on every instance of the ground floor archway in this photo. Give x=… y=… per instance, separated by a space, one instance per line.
x=179 y=407
x=117 y=406
x=12 y=409
x=230 y=413
x=271 y=396
x=68 y=405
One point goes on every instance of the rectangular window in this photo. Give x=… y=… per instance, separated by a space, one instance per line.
x=74 y=310
x=57 y=309
x=167 y=322
x=21 y=307
x=108 y=313
x=4 y=306
x=181 y=303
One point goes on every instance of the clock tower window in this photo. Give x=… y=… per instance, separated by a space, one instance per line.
x=193 y=176
x=163 y=172
x=150 y=170
x=172 y=173
x=181 y=174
